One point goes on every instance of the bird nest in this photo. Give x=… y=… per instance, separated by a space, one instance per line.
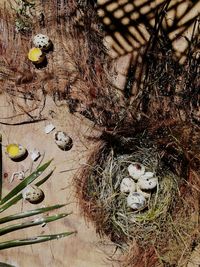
x=166 y=223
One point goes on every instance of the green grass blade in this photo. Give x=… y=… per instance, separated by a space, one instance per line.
x=2 y=264
x=25 y=182
x=11 y=202
x=33 y=240
x=45 y=178
x=48 y=219
x=1 y=169
x=29 y=213
x=19 y=196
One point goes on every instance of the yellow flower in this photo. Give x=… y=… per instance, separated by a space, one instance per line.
x=35 y=55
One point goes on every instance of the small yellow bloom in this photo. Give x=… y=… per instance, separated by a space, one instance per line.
x=35 y=55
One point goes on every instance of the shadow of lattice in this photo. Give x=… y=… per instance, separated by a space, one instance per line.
x=158 y=41
x=130 y=23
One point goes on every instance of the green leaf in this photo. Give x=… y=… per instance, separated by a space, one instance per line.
x=45 y=178
x=25 y=182
x=11 y=202
x=3 y=264
x=33 y=240
x=29 y=213
x=19 y=196
x=12 y=228
x=1 y=169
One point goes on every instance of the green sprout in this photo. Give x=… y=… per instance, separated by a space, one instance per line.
x=13 y=197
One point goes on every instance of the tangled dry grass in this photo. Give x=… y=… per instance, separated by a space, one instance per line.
x=72 y=73
x=78 y=69
x=102 y=188
x=168 y=227
x=156 y=122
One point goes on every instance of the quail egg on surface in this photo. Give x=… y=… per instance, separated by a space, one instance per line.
x=42 y=41
x=63 y=141
x=33 y=194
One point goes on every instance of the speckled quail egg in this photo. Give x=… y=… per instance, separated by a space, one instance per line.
x=33 y=194
x=147 y=183
x=136 y=170
x=42 y=41
x=127 y=185
x=63 y=141
x=136 y=201
x=147 y=175
x=146 y=194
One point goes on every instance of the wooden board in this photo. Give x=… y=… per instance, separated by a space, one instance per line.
x=80 y=250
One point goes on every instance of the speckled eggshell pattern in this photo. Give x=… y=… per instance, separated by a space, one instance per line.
x=63 y=141
x=147 y=184
x=41 y=41
x=33 y=194
x=127 y=185
x=136 y=170
x=136 y=201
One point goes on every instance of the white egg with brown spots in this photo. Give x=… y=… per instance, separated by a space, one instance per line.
x=33 y=194
x=145 y=193
x=147 y=183
x=147 y=175
x=42 y=41
x=136 y=201
x=127 y=185
x=63 y=140
x=136 y=170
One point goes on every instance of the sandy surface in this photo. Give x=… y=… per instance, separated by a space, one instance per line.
x=80 y=250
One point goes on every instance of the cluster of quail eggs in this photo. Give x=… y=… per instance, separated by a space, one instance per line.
x=41 y=44
x=17 y=152
x=31 y=193
x=139 y=186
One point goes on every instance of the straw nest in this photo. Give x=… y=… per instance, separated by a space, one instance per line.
x=103 y=187
x=167 y=226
